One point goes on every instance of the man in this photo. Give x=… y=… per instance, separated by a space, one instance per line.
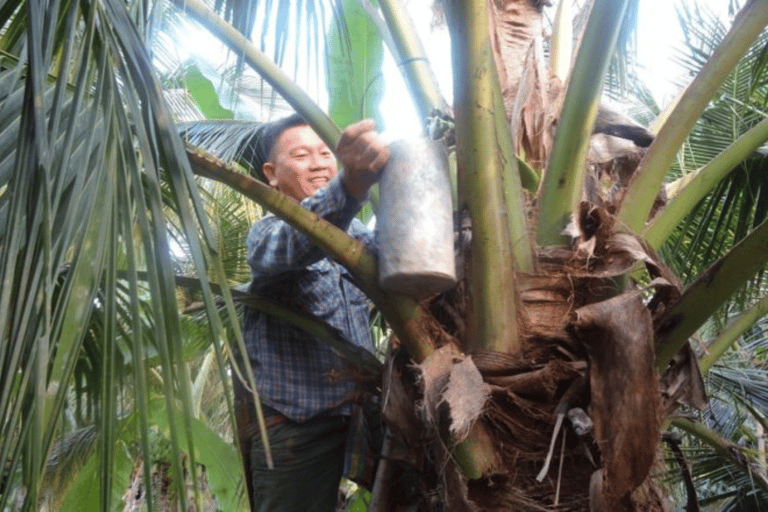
x=303 y=385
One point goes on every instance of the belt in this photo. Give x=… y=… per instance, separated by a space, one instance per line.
x=274 y=420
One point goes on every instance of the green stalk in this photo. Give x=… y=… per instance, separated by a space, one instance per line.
x=564 y=178
x=736 y=328
x=137 y=342
x=722 y=446
x=561 y=47
x=702 y=298
x=492 y=317
x=403 y=313
x=412 y=59
x=653 y=168
x=108 y=392
x=264 y=66
x=686 y=192
x=512 y=177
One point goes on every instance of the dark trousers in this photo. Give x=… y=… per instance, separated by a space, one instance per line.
x=308 y=460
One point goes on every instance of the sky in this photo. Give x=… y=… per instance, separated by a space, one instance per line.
x=658 y=32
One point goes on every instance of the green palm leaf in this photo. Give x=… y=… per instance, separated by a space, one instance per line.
x=73 y=193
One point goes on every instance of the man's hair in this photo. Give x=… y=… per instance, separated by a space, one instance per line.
x=270 y=132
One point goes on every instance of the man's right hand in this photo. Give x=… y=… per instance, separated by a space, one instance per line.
x=363 y=154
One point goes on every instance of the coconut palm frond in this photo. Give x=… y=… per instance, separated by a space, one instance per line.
x=738 y=104
x=738 y=203
x=76 y=110
x=277 y=26
x=233 y=215
x=230 y=141
x=755 y=344
x=619 y=77
x=719 y=481
x=750 y=384
x=738 y=390
x=184 y=107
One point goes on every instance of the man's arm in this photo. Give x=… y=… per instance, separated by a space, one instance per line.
x=275 y=247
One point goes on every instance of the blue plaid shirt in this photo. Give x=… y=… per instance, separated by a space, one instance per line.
x=296 y=374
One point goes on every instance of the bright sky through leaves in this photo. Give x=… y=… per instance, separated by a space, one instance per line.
x=658 y=36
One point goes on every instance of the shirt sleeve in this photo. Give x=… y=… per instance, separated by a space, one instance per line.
x=275 y=247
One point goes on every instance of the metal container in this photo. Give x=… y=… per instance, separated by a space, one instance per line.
x=415 y=220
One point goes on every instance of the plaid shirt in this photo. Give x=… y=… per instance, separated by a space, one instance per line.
x=298 y=375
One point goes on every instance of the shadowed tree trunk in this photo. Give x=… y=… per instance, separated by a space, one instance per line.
x=573 y=412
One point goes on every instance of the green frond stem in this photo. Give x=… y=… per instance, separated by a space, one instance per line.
x=403 y=313
x=663 y=116
x=264 y=66
x=412 y=59
x=732 y=332
x=137 y=348
x=761 y=452
x=513 y=174
x=725 y=448
x=564 y=177
x=561 y=47
x=108 y=393
x=685 y=193
x=217 y=337
x=761 y=428
x=473 y=454
x=492 y=316
x=704 y=296
x=650 y=174
x=198 y=384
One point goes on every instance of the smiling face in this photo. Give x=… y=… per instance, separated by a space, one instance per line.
x=300 y=163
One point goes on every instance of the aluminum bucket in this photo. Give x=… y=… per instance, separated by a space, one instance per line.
x=415 y=220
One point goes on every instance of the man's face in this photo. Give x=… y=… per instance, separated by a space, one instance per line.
x=300 y=164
